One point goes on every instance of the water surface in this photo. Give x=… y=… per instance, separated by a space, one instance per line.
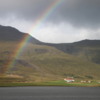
x=49 y=93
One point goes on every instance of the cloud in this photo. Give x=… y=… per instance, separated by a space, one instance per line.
x=93 y=34
x=61 y=33
x=80 y=13
x=27 y=9
x=72 y=20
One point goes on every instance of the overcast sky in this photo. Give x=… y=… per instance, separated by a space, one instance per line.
x=71 y=20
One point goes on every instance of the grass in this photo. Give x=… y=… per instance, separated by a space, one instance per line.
x=52 y=83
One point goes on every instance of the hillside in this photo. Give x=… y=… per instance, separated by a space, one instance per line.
x=85 y=49
x=41 y=62
x=8 y=33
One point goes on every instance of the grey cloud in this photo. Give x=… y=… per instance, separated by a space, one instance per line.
x=93 y=35
x=80 y=13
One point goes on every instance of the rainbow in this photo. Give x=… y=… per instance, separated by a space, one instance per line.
x=40 y=20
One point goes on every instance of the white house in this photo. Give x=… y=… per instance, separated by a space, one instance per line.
x=69 y=80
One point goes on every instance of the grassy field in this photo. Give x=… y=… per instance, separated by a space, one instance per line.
x=52 y=83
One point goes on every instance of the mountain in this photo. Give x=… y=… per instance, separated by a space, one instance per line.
x=87 y=49
x=8 y=33
x=46 y=62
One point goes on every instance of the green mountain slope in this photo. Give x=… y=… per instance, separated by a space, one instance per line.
x=42 y=63
x=86 y=49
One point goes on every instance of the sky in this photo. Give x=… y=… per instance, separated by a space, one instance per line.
x=69 y=21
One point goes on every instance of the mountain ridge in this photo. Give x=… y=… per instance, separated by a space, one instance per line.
x=8 y=33
x=41 y=61
x=4 y=30
x=86 y=46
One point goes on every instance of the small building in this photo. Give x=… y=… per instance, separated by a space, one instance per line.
x=87 y=81
x=83 y=81
x=69 y=80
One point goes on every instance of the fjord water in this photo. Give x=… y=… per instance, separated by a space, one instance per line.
x=49 y=93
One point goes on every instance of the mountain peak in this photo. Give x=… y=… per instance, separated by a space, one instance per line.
x=2 y=28
x=8 y=33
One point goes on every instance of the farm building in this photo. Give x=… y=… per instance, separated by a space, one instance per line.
x=69 y=80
